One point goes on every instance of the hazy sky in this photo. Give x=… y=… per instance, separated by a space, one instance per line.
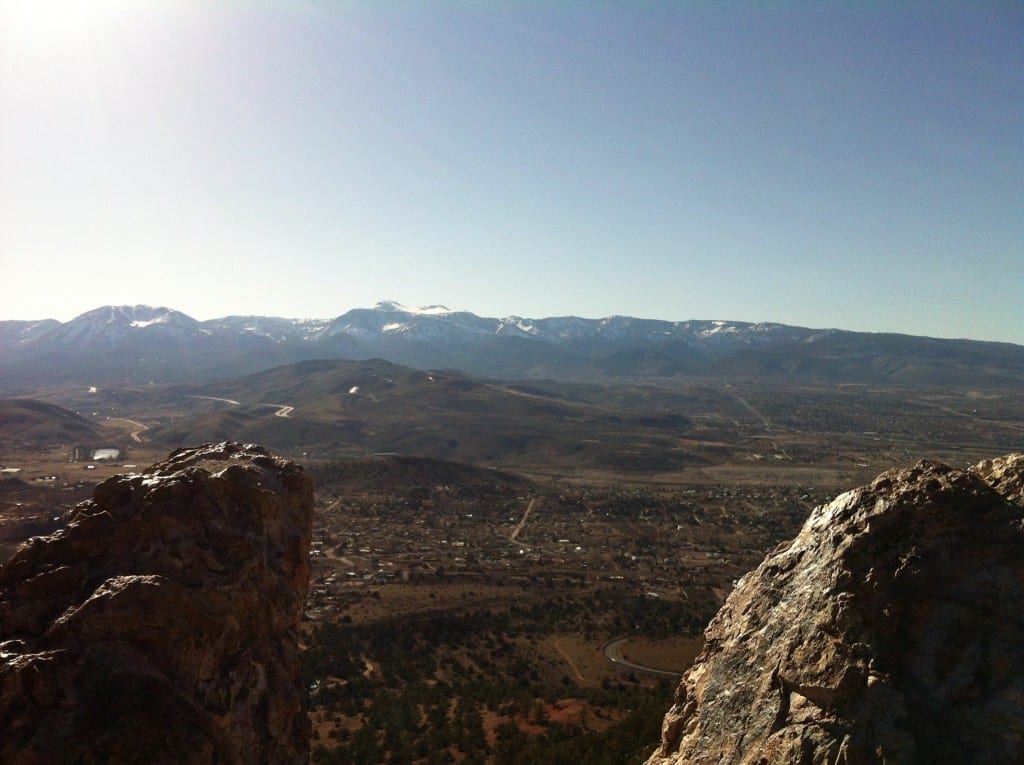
x=856 y=165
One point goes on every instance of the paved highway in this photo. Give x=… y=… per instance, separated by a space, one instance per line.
x=613 y=652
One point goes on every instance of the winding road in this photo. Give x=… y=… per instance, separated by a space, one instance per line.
x=613 y=652
x=283 y=410
x=138 y=425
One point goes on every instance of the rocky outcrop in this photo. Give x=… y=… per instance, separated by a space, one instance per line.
x=160 y=625
x=890 y=630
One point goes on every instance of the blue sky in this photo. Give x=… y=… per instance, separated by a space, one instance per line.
x=853 y=165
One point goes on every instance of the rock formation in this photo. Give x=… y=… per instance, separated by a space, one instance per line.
x=160 y=625
x=890 y=630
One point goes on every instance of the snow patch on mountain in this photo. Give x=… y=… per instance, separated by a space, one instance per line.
x=139 y=323
x=717 y=327
x=392 y=306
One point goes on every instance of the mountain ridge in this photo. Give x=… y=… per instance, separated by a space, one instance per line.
x=525 y=325
x=158 y=344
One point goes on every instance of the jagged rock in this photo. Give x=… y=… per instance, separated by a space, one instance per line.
x=161 y=624
x=890 y=630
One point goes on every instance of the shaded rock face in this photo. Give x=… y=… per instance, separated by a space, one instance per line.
x=161 y=624
x=890 y=630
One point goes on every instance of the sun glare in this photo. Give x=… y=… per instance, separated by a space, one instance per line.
x=53 y=27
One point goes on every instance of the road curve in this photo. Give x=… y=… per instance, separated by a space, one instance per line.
x=217 y=398
x=612 y=651
x=283 y=410
x=135 y=433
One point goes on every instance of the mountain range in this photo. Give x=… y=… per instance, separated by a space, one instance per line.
x=143 y=344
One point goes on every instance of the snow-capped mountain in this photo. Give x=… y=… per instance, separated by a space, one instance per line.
x=391 y=320
x=268 y=327
x=108 y=326
x=156 y=344
x=15 y=333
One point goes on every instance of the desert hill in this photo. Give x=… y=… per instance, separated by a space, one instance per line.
x=333 y=408
x=32 y=421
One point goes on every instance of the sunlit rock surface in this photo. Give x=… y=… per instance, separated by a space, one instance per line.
x=890 y=630
x=161 y=624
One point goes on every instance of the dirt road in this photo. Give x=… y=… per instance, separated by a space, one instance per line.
x=519 y=527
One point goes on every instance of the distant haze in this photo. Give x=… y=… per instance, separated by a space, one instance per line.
x=850 y=165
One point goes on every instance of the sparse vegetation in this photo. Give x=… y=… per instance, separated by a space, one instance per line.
x=460 y=612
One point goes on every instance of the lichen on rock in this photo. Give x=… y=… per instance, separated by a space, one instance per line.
x=160 y=625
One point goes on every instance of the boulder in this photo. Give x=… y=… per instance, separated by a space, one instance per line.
x=160 y=625
x=890 y=630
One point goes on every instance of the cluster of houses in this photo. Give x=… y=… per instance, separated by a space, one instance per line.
x=664 y=539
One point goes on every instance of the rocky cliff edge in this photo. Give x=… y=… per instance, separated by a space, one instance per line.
x=160 y=625
x=890 y=630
